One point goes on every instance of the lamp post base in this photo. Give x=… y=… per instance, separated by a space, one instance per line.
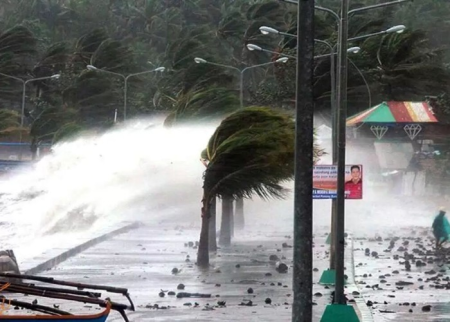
x=339 y=313
x=329 y=277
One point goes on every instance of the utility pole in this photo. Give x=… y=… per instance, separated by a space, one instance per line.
x=304 y=139
x=339 y=241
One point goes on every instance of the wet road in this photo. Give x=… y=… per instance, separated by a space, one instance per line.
x=403 y=276
x=143 y=260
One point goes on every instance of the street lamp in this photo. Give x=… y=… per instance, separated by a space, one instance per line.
x=265 y=30
x=269 y=30
x=24 y=86
x=253 y=47
x=396 y=29
x=125 y=82
x=301 y=288
x=199 y=60
x=56 y=76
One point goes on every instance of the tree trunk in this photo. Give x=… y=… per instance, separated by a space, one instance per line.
x=239 y=214
x=232 y=219
x=212 y=226
x=225 y=226
x=203 y=247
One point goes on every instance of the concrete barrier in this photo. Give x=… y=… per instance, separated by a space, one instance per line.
x=53 y=262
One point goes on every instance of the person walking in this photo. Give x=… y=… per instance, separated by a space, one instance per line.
x=441 y=228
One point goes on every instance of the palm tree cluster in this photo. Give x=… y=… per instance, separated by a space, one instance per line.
x=39 y=38
x=250 y=153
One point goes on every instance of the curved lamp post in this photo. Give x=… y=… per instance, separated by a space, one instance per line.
x=338 y=224
x=56 y=76
x=199 y=60
x=24 y=84
x=125 y=81
x=24 y=87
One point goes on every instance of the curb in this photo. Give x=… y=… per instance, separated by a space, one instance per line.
x=366 y=313
x=51 y=263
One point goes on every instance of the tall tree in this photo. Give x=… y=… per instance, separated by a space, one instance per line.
x=233 y=172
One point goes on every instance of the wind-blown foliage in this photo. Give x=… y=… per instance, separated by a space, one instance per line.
x=208 y=104
x=43 y=37
x=253 y=159
x=251 y=162
x=9 y=122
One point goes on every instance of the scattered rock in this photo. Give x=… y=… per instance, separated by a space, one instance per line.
x=171 y=293
x=249 y=303
x=180 y=287
x=199 y=295
x=402 y=283
x=273 y=258
x=407 y=265
x=268 y=301
x=426 y=308
x=175 y=270
x=250 y=291
x=281 y=267
x=419 y=263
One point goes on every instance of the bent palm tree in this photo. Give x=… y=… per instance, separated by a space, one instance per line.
x=246 y=160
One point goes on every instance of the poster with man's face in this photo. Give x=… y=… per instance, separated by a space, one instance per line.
x=353 y=182
x=325 y=182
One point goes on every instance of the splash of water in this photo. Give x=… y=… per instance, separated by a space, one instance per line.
x=150 y=173
x=134 y=172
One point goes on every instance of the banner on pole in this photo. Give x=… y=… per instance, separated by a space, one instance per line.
x=325 y=182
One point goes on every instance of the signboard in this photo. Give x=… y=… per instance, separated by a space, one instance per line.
x=325 y=182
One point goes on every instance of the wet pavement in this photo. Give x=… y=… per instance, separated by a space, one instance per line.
x=401 y=278
x=143 y=261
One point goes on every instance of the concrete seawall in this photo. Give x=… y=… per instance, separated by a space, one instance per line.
x=51 y=263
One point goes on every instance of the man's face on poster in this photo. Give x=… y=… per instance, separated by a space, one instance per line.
x=356 y=174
